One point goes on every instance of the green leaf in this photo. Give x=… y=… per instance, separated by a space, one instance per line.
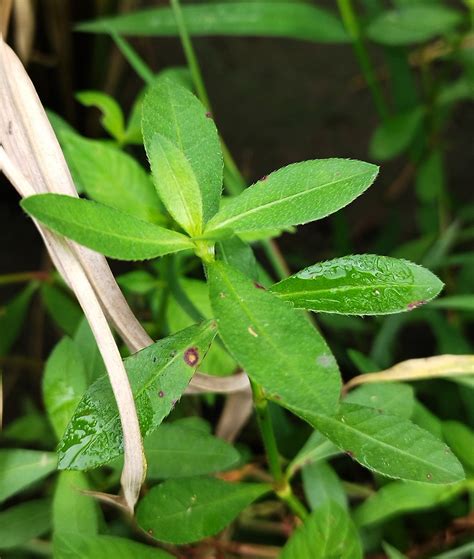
x=401 y=498
x=189 y=143
x=270 y=19
x=73 y=511
x=104 y=229
x=396 y=134
x=65 y=312
x=91 y=357
x=322 y=485
x=394 y=398
x=464 y=302
x=328 y=532
x=361 y=284
x=392 y=553
x=20 y=468
x=112 y=177
x=138 y=282
x=461 y=440
x=175 y=451
x=296 y=194
x=217 y=361
x=176 y=183
x=430 y=177
x=79 y=546
x=275 y=344
x=112 y=117
x=12 y=317
x=23 y=522
x=316 y=448
x=238 y=254
x=412 y=24
x=158 y=375
x=64 y=382
x=389 y=445
x=188 y=510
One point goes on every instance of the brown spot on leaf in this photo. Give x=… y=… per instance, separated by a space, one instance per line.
x=209 y=114
x=264 y=178
x=258 y=285
x=415 y=305
x=161 y=393
x=191 y=356
x=349 y=453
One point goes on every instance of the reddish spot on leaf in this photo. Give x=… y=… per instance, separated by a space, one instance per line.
x=191 y=356
x=264 y=178
x=209 y=115
x=349 y=453
x=415 y=305
x=161 y=393
x=258 y=285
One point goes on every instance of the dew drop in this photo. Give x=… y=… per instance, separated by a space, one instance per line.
x=377 y=293
x=191 y=356
x=429 y=476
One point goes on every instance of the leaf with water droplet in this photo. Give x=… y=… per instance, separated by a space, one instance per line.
x=389 y=445
x=274 y=343
x=158 y=375
x=364 y=284
x=187 y=510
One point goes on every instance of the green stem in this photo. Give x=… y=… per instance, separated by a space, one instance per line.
x=133 y=58
x=276 y=258
x=281 y=485
x=351 y=23
x=174 y=284
x=24 y=277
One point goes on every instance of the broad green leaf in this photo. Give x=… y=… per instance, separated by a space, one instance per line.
x=427 y=420
x=430 y=177
x=389 y=445
x=193 y=148
x=461 y=440
x=455 y=303
x=459 y=553
x=81 y=546
x=158 y=375
x=104 y=229
x=321 y=485
x=316 y=449
x=12 y=317
x=176 y=183
x=396 y=134
x=64 y=382
x=412 y=24
x=91 y=357
x=175 y=450
x=217 y=361
x=65 y=312
x=402 y=497
x=392 y=553
x=73 y=511
x=24 y=522
x=28 y=429
x=20 y=468
x=364 y=284
x=139 y=282
x=274 y=343
x=363 y=363
x=395 y=398
x=112 y=117
x=328 y=532
x=112 y=177
x=238 y=254
x=296 y=194
x=258 y=18
x=188 y=510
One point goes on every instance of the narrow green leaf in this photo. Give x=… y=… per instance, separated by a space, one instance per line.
x=363 y=284
x=461 y=440
x=271 y=19
x=396 y=134
x=112 y=177
x=174 y=113
x=80 y=546
x=463 y=302
x=12 y=317
x=188 y=510
x=412 y=24
x=91 y=357
x=176 y=183
x=275 y=344
x=73 y=511
x=316 y=449
x=104 y=229
x=65 y=312
x=458 y=553
x=401 y=498
x=430 y=177
x=24 y=522
x=321 y=485
x=328 y=532
x=392 y=553
x=138 y=282
x=112 y=117
x=176 y=451
x=389 y=445
x=296 y=194
x=158 y=374
x=394 y=398
x=20 y=468
x=64 y=382
x=238 y=254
